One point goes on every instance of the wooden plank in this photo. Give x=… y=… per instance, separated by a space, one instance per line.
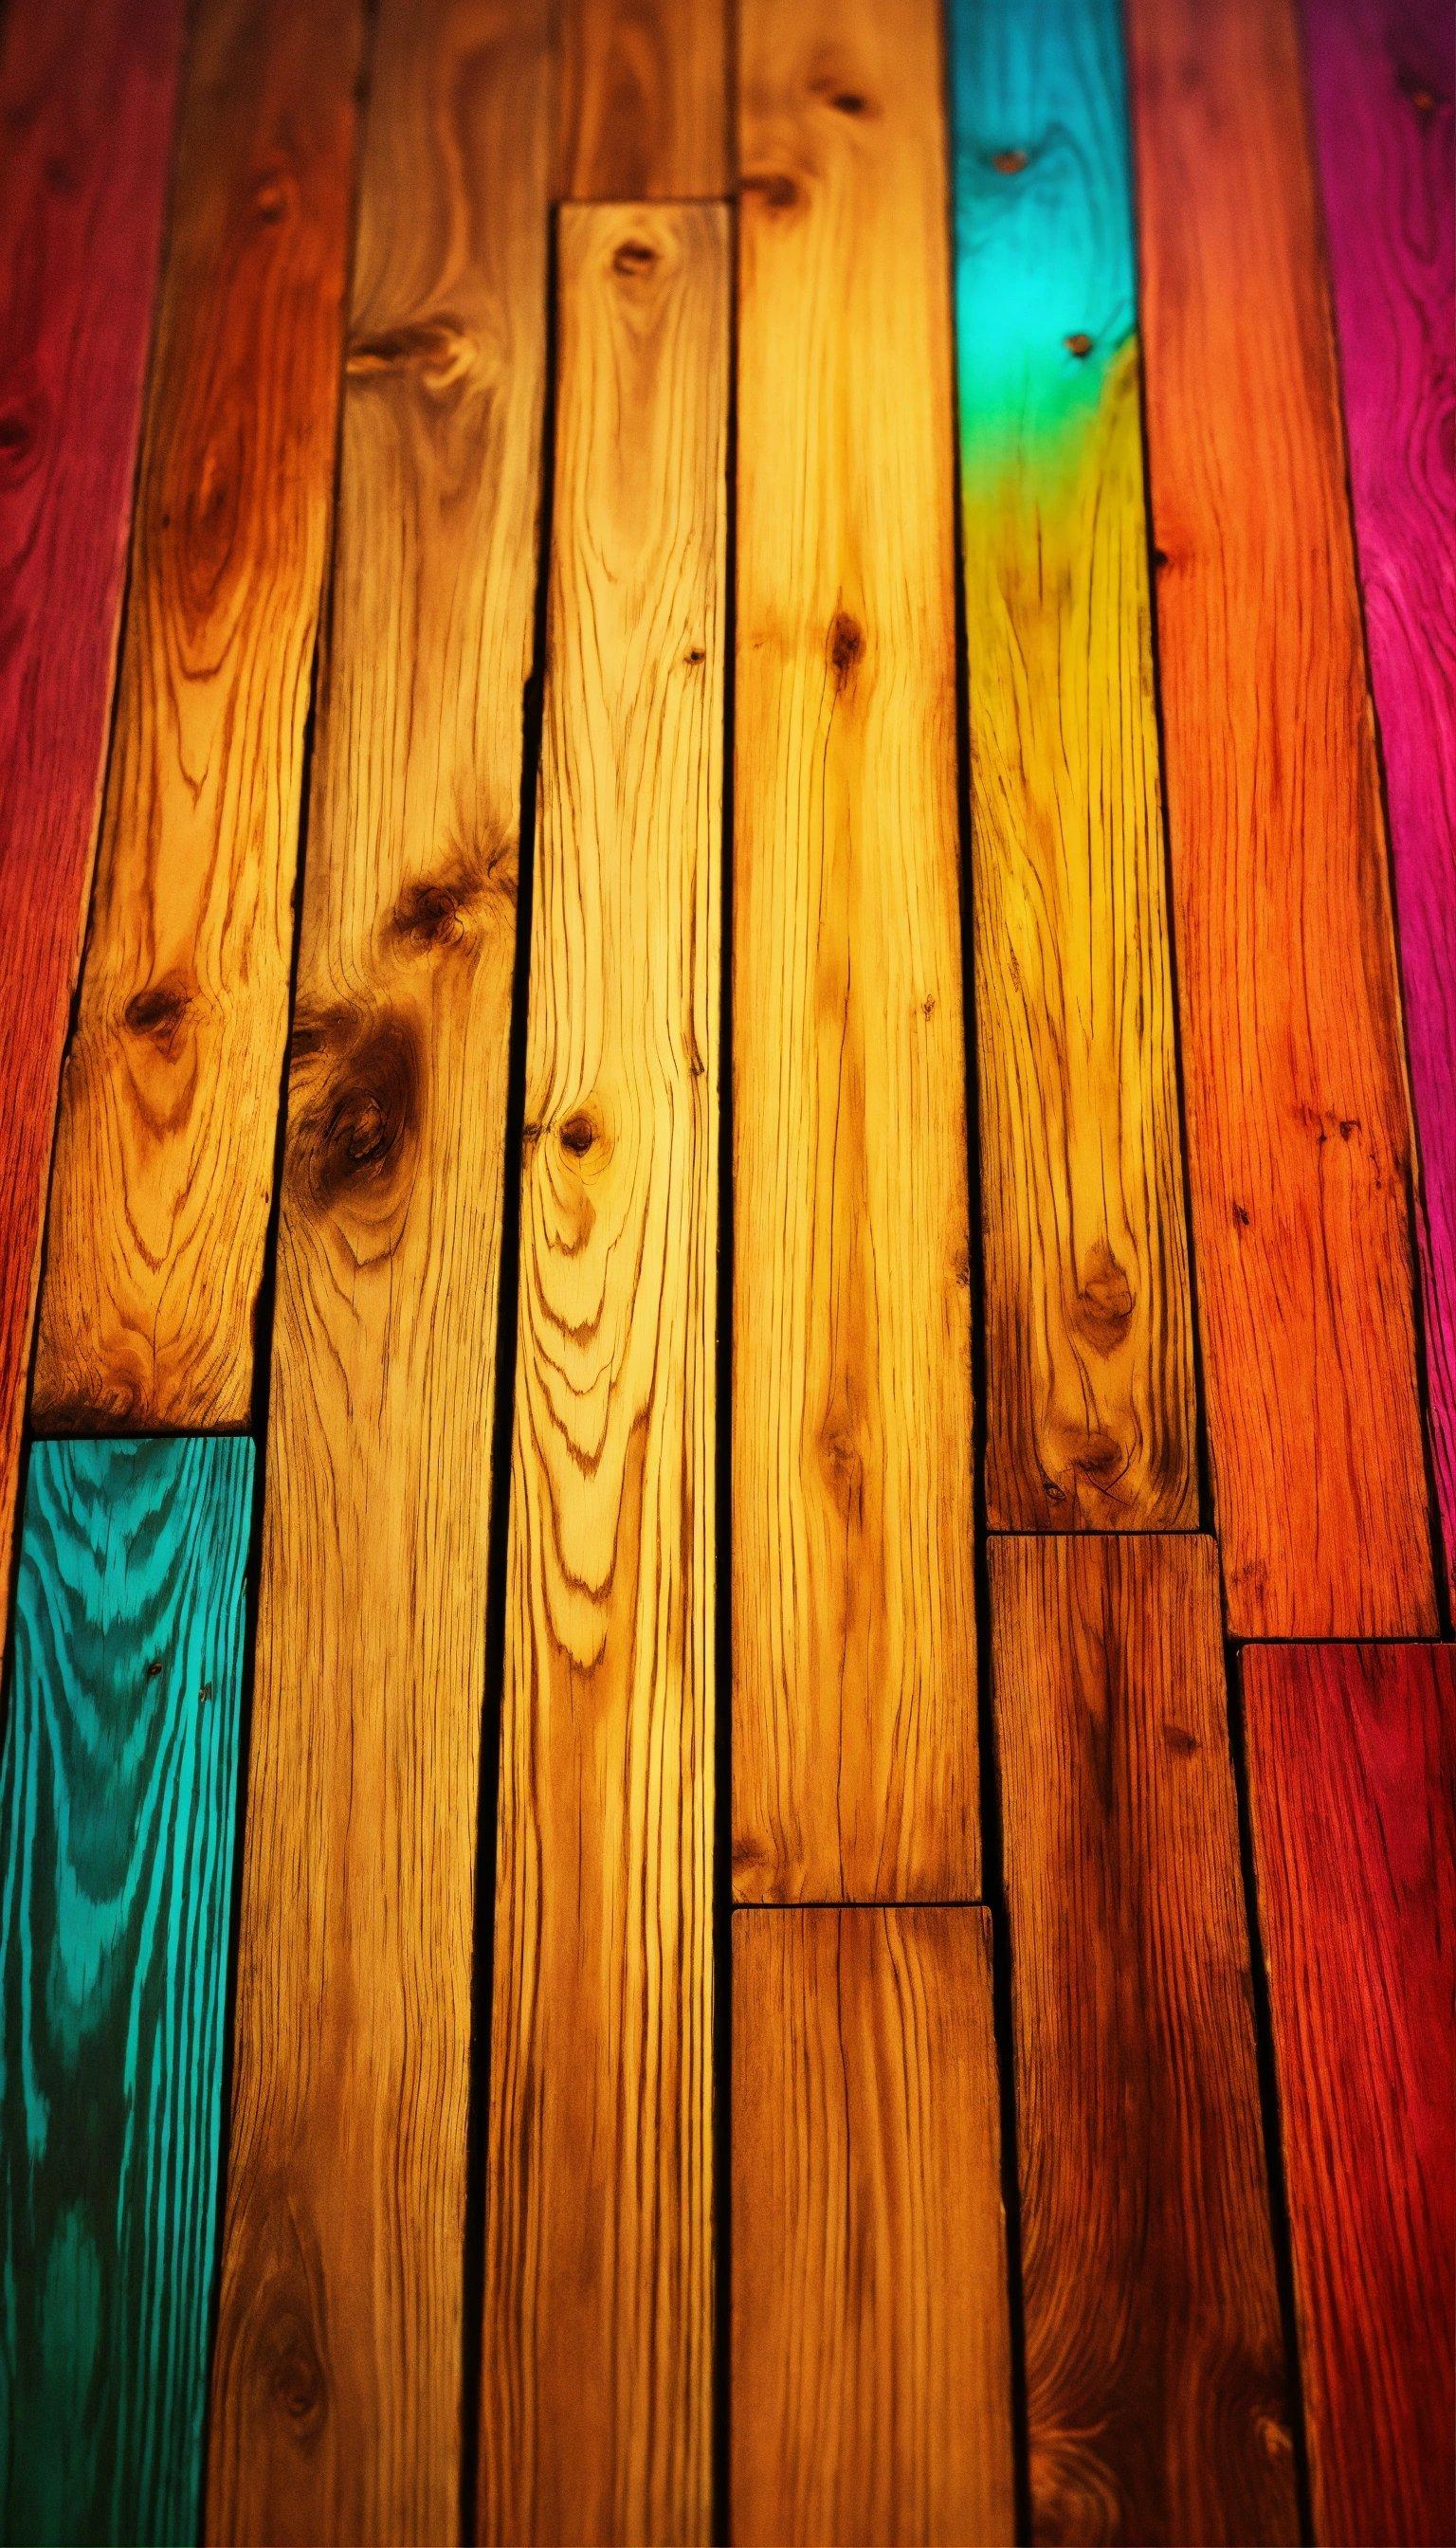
x=596 y=2411
x=1352 y=1790
x=871 y=2351
x=86 y=103
x=118 y=1806
x=1155 y=2375
x=166 y=1140
x=1298 y=1128
x=1090 y=1410
x=643 y=105
x=336 y=2391
x=855 y=1716
x=1382 y=74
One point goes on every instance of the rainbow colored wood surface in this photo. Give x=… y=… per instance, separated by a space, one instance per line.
x=766 y=1019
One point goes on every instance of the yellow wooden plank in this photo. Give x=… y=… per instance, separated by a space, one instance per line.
x=597 y=2414
x=337 y=2392
x=642 y=106
x=854 y=1744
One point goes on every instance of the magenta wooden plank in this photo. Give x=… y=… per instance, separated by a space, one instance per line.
x=87 y=96
x=1380 y=77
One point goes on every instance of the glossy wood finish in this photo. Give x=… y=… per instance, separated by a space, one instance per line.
x=1089 y=1363
x=338 y=2381
x=86 y=103
x=118 y=1810
x=643 y=102
x=871 y=2351
x=1298 y=1128
x=1155 y=2376
x=1382 y=74
x=855 y=1724
x=1352 y=1788
x=167 y=1128
x=597 y=2414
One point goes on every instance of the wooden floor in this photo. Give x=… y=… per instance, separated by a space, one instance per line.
x=727 y=1271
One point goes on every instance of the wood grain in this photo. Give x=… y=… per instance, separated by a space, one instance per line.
x=1089 y=1353
x=872 y=2375
x=167 y=1128
x=1382 y=74
x=854 y=1725
x=1155 y=2376
x=86 y=104
x=596 y=2411
x=1352 y=1790
x=1298 y=1127
x=642 y=104
x=118 y=1806
x=336 y=2394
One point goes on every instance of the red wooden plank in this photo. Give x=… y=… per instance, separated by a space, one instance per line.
x=87 y=96
x=1352 y=1757
x=1382 y=74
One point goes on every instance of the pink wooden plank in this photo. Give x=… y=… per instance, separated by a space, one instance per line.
x=1380 y=77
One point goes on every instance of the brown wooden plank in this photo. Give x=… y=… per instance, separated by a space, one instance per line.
x=1352 y=1791
x=164 y=1175
x=336 y=2391
x=855 y=1728
x=872 y=2379
x=1298 y=1128
x=643 y=101
x=596 y=2411
x=1155 y=2375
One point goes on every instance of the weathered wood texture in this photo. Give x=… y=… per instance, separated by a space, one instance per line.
x=642 y=107
x=166 y=1140
x=1382 y=74
x=597 y=2362
x=855 y=1728
x=1298 y=1127
x=118 y=1804
x=871 y=2373
x=1155 y=2375
x=1352 y=1788
x=1089 y=1366
x=338 y=2370
x=86 y=103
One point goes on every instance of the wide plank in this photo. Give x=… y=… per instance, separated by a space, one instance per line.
x=168 y=1129
x=337 y=2379
x=1157 y=2391
x=1298 y=1125
x=1090 y=1418
x=596 y=2411
x=642 y=107
x=1381 y=76
x=1353 y=1793
x=117 y=1808
x=872 y=2349
x=854 y=1710
x=86 y=108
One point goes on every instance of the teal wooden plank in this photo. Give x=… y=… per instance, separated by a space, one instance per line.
x=117 y=1806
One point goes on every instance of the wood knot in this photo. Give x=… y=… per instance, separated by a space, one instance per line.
x=359 y=1136
x=154 y=1668
x=1178 y=1739
x=1161 y=559
x=1078 y=343
x=271 y=197
x=1104 y=1299
x=578 y=1135
x=843 y=1465
x=16 y=438
x=696 y=655
x=1417 y=92
x=844 y=97
x=295 y=2376
x=156 y=1014
x=775 y=190
x=845 y=646
x=428 y=915
x=635 y=258
x=1008 y=163
x=440 y=352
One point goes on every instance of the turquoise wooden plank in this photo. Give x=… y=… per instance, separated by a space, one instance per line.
x=118 y=1804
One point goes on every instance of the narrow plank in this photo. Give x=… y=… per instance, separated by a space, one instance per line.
x=166 y=1140
x=642 y=104
x=598 y=2355
x=1155 y=2375
x=855 y=1728
x=872 y=2379
x=118 y=1806
x=1090 y=1410
x=1298 y=1125
x=1352 y=1791
x=86 y=107
x=1381 y=76
x=336 y=2391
